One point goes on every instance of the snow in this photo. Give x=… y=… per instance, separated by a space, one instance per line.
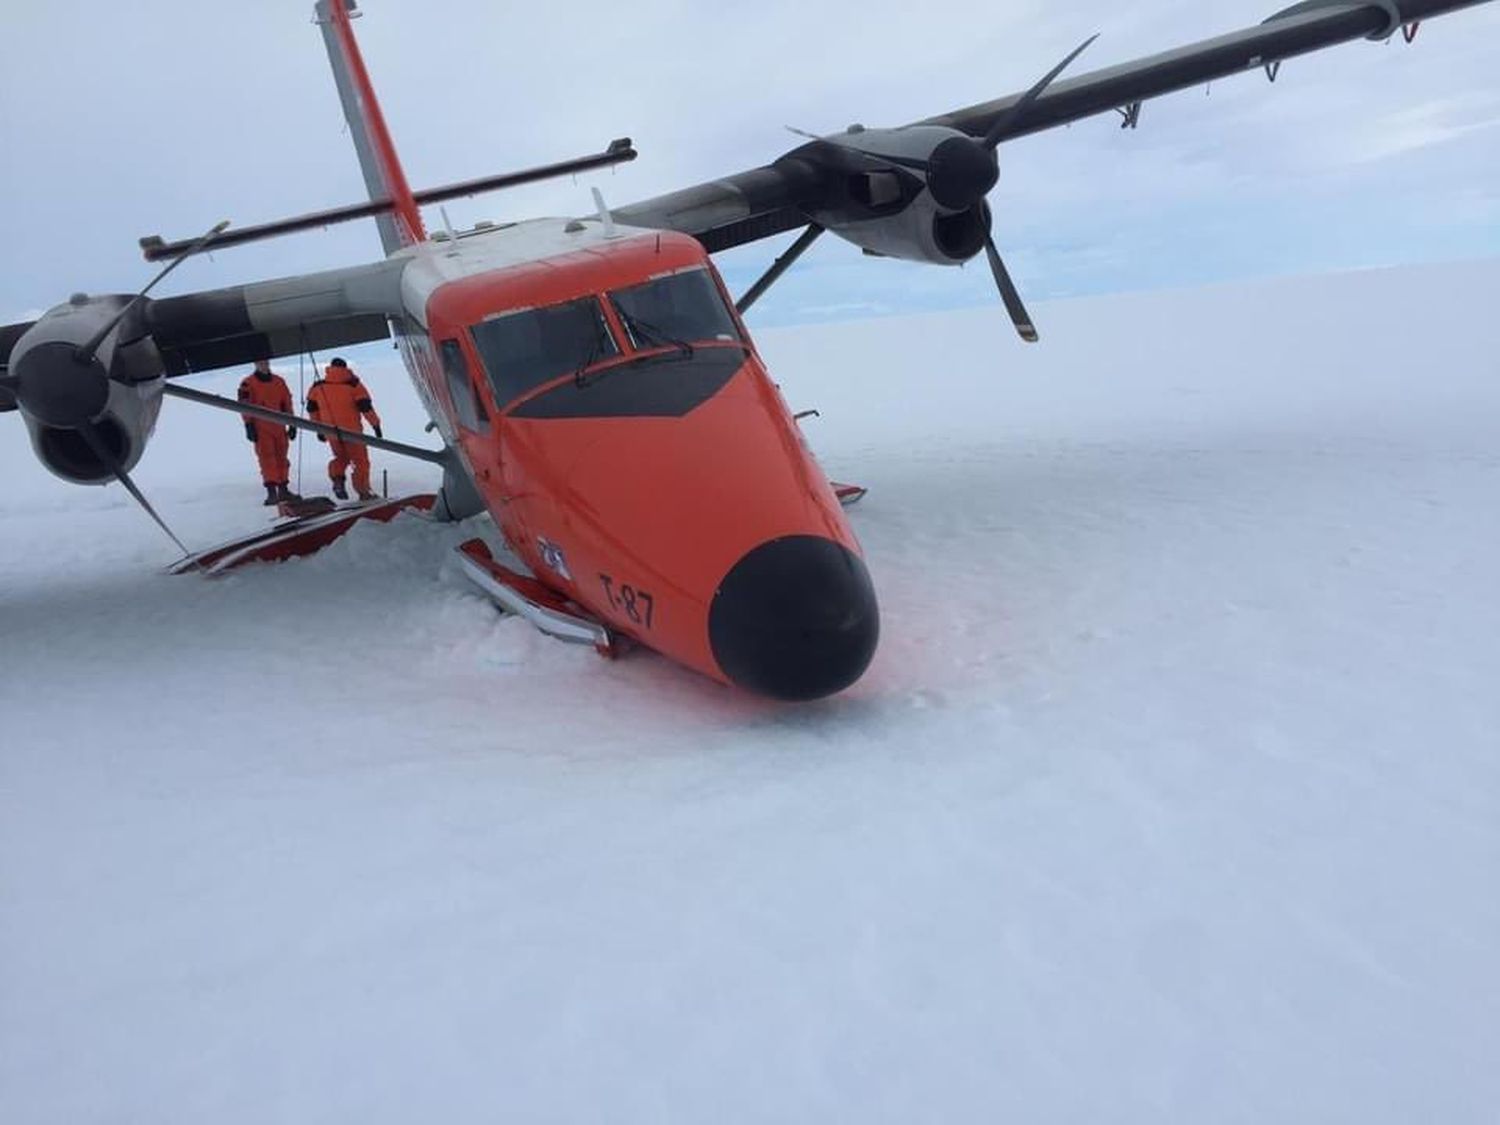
x=1173 y=792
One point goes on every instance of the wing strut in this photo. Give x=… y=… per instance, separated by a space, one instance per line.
x=778 y=267
x=432 y=456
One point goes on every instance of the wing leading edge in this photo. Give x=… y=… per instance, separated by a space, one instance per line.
x=1301 y=29
x=785 y=194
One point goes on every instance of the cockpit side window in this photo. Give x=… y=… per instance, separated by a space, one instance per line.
x=681 y=308
x=522 y=350
x=466 y=401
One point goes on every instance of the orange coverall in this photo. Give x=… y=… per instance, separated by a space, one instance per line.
x=263 y=388
x=340 y=399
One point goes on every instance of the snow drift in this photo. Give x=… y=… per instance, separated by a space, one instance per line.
x=1173 y=793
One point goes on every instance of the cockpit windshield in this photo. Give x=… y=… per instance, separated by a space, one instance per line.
x=529 y=347
x=681 y=309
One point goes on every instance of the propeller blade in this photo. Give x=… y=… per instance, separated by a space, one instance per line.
x=10 y=336
x=1013 y=303
x=86 y=352
x=1017 y=111
x=102 y=451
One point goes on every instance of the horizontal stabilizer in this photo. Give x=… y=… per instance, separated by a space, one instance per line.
x=620 y=151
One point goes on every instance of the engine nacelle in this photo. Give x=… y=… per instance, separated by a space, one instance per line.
x=915 y=193
x=920 y=232
x=114 y=393
x=125 y=426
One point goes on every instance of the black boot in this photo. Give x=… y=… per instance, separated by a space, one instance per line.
x=285 y=494
x=272 y=499
x=339 y=490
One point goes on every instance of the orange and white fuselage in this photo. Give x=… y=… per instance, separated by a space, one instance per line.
x=617 y=423
x=660 y=483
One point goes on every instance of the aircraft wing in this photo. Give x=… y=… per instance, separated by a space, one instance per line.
x=807 y=184
x=1298 y=30
x=315 y=312
x=234 y=326
x=878 y=188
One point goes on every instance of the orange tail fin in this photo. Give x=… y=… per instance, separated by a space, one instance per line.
x=384 y=177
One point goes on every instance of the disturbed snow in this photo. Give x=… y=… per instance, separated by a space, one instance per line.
x=1173 y=793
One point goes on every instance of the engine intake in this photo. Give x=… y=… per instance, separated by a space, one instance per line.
x=68 y=453
x=921 y=232
x=125 y=426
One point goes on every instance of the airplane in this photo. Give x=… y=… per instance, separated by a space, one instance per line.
x=593 y=382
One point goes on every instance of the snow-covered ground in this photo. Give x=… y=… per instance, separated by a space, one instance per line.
x=1173 y=793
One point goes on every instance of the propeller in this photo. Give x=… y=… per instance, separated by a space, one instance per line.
x=1008 y=293
x=1006 y=120
x=962 y=170
x=100 y=448
x=92 y=346
x=61 y=387
x=64 y=385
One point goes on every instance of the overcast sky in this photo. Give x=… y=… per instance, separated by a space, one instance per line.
x=164 y=116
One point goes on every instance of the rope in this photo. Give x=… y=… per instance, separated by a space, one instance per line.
x=306 y=353
x=301 y=405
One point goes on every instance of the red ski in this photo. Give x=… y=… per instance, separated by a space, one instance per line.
x=848 y=494
x=296 y=537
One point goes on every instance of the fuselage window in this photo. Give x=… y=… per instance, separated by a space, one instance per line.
x=466 y=401
x=681 y=308
x=524 y=349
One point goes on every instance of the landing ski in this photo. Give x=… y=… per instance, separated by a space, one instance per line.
x=848 y=494
x=296 y=537
x=546 y=610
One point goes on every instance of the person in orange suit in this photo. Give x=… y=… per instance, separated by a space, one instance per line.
x=340 y=399
x=266 y=389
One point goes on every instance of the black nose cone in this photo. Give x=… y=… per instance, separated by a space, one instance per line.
x=795 y=619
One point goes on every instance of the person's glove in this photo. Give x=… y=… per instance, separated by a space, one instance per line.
x=291 y=433
x=249 y=431
x=377 y=431
x=323 y=439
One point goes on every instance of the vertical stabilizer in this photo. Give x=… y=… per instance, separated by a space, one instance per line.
x=384 y=177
